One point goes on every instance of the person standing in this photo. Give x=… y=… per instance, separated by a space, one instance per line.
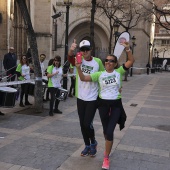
x=54 y=75
x=72 y=70
x=42 y=58
x=23 y=73
x=147 y=68
x=50 y=62
x=10 y=64
x=86 y=93
x=110 y=105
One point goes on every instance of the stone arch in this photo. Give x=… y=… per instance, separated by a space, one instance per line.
x=81 y=28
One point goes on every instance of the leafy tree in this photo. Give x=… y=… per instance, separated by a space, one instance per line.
x=34 y=52
x=161 y=11
x=126 y=13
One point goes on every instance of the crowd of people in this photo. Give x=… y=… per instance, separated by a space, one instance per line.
x=23 y=71
x=96 y=86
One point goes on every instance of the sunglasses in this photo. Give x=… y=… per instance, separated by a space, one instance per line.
x=85 y=49
x=110 y=61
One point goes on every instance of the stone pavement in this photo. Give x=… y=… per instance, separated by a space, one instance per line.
x=30 y=141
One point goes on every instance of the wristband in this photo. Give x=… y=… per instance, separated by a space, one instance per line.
x=128 y=50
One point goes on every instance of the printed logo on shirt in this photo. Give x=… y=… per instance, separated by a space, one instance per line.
x=87 y=69
x=109 y=80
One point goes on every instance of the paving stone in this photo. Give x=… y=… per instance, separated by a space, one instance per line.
x=154 y=111
x=131 y=161
x=17 y=121
x=56 y=128
x=39 y=142
x=157 y=103
x=74 y=115
x=37 y=153
x=152 y=122
x=159 y=98
x=2 y=135
x=146 y=139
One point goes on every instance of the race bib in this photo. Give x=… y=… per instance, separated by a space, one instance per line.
x=87 y=69
x=110 y=81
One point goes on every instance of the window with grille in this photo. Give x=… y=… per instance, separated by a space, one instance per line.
x=165 y=42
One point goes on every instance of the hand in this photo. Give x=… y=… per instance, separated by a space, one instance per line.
x=73 y=45
x=56 y=72
x=77 y=64
x=126 y=45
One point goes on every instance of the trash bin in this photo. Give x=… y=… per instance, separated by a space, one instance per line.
x=152 y=70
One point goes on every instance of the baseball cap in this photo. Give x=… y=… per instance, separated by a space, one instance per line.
x=84 y=44
x=11 y=48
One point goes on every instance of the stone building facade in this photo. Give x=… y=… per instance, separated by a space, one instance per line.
x=51 y=32
x=162 y=37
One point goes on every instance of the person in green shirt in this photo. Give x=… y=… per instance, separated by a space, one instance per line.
x=110 y=104
x=87 y=94
x=23 y=73
x=54 y=75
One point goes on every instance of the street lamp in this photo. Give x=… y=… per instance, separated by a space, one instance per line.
x=150 y=45
x=157 y=60
x=67 y=3
x=164 y=52
x=148 y=64
x=133 y=45
x=116 y=28
x=154 y=59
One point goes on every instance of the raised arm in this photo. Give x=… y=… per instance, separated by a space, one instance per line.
x=70 y=56
x=83 y=77
x=72 y=48
x=130 y=58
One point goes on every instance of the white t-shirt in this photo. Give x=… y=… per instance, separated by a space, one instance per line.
x=55 y=81
x=42 y=67
x=88 y=91
x=25 y=70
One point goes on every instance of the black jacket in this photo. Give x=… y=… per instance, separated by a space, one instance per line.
x=108 y=104
x=10 y=61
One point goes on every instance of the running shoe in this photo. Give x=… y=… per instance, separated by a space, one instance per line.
x=106 y=163
x=93 y=149
x=57 y=111
x=86 y=151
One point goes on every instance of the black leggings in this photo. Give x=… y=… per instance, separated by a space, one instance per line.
x=110 y=111
x=24 y=91
x=53 y=91
x=72 y=87
x=86 y=112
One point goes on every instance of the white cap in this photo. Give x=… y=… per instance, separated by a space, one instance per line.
x=11 y=48
x=84 y=43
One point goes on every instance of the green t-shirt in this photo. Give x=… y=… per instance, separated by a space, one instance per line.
x=109 y=83
x=55 y=81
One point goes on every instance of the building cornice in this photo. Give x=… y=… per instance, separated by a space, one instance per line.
x=43 y=34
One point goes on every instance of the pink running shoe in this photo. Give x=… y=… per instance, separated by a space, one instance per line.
x=106 y=163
